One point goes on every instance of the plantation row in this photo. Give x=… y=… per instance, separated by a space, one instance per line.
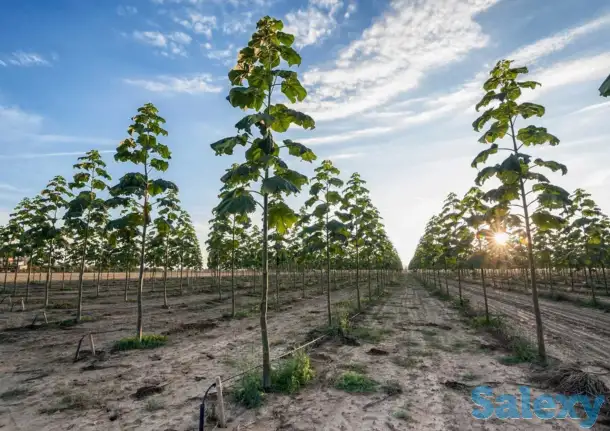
x=526 y=232
x=89 y=225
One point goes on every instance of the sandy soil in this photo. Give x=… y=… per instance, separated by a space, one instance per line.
x=39 y=363
x=429 y=349
x=431 y=353
x=572 y=332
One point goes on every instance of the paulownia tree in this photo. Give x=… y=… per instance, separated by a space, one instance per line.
x=87 y=208
x=258 y=68
x=518 y=175
x=143 y=149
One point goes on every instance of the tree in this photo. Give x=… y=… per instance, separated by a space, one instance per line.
x=258 y=65
x=53 y=200
x=325 y=195
x=143 y=149
x=517 y=172
x=87 y=208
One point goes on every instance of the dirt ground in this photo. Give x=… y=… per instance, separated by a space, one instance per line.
x=431 y=353
x=435 y=357
x=38 y=375
x=573 y=332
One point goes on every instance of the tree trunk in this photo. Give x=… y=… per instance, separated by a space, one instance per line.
x=79 y=305
x=330 y=319
x=27 y=283
x=460 y=286
x=126 y=281
x=233 y=271
x=358 y=276
x=165 y=276
x=47 y=286
x=264 y=293
x=141 y=275
x=485 y=294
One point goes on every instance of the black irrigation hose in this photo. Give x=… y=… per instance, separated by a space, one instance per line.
x=202 y=408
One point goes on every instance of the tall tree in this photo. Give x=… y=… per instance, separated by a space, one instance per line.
x=258 y=65
x=87 y=208
x=519 y=179
x=143 y=149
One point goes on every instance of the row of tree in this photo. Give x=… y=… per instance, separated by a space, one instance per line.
x=88 y=225
x=335 y=222
x=524 y=224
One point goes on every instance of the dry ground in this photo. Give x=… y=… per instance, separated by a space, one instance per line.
x=431 y=354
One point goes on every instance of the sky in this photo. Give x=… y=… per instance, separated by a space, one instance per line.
x=392 y=86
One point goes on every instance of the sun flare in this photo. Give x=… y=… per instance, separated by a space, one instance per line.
x=501 y=238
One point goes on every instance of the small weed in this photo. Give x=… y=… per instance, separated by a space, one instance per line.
x=148 y=342
x=427 y=333
x=288 y=377
x=14 y=394
x=469 y=376
x=61 y=306
x=371 y=335
x=154 y=404
x=351 y=381
x=72 y=401
x=392 y=387
x=356 y=367
x=402 y=415
x=405 y=362
x=482 y=322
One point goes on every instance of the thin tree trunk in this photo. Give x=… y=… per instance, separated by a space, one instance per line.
x=358 y=275
x=485 y=294
x=264 y=293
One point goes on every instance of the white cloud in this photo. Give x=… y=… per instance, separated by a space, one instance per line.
x=126 y=10
x=239 y=24
x=8 y=187
x=594 y=107
x=171 y=44
x=346 y=136
x=394 y=55
x=2 y=63
x=21 y=58
x=220 y=54
x=531 y=53
x=43 y=155
x=198 y=23
x=314 y=23
x=571 y=72
x=201 y=83
x=343 y=156
x=153 y=38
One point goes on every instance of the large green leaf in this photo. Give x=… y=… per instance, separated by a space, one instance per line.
x=532 y=135
x=530 y=109
x=299 y=150
x=496 y=131
x=294 y=177
x=321 y=210
x=553 y=166
x=246 y=97
x=293 y=90
x=248 y=121
x=289 y=55
x=544 y=220
x=283 y=117
x=226 y=145
x=485 y=174
x=277 y=184
x=484 y=155
x=237 y=201
x=281 y=217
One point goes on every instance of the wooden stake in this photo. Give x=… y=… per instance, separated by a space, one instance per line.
x=44 y=313
x=22 y=305
x=92 y=344
x=220 y=404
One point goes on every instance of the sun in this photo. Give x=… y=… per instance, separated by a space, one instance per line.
x=501 y=238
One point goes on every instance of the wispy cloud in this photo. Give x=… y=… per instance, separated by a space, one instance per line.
x=345 y=136
x=24 y=59
x=198 y=23
x=341 y=156
x=529 y=54
x=170 y=44
x=8 y=187
x=394 y=55
x=315 y=22
x=202 y=83
x=42 y=155
x=126 y=10
x=595 y=107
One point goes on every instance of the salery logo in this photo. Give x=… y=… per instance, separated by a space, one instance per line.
x=545 y=406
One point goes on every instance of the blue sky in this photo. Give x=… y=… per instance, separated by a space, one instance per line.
x=392 y=87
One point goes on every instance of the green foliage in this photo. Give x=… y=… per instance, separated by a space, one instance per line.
x=149 y=341
x=353 y=382
x=288 y=377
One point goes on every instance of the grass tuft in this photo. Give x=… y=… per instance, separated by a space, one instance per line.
x=13 y=394
x=353 y=382
x=288 y=378
x=148 y=342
